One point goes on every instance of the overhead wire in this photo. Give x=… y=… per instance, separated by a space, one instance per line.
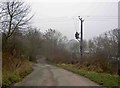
x=74 y=19
x=87 y=18
x=75 y=25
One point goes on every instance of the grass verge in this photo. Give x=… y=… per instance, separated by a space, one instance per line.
x=100 y=78
x=11 y=77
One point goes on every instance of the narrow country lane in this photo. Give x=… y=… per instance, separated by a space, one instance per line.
x=49 y=75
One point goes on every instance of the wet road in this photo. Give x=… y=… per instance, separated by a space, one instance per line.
x=49 y=75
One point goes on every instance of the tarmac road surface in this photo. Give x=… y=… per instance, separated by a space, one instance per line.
x=49 y=75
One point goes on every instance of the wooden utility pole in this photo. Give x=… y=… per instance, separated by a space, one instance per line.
x=118 y=53
x=81 y=38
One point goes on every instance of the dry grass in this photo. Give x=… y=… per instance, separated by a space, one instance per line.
x=14 y=69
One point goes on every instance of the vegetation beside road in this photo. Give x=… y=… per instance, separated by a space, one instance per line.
x=16 y=56
x=100 y=78
x=13 y=73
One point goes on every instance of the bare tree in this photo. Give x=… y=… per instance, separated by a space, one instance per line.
x=105 y=49
x=13 y=16
x=55 y=45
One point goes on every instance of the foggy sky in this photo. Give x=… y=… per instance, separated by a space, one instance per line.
x=63 y=16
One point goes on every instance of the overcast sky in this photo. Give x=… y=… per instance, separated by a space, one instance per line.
x=63 y=16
